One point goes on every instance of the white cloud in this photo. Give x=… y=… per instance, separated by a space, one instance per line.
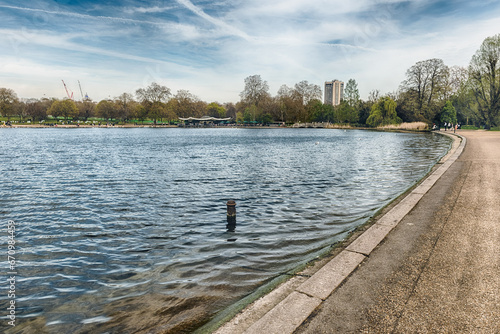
x=146 y=10
x=210 y=50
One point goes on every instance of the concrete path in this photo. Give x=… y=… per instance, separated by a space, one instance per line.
x=430 y=264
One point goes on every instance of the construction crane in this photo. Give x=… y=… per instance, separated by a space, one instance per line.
x=79 y=85
x=67 y=91
x=81 y=92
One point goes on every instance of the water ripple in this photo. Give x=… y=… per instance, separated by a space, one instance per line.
x=115 y=224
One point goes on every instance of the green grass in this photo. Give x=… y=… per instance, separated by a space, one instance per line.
x=469 y=127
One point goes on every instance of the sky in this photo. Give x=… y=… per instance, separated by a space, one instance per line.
x=210 y=47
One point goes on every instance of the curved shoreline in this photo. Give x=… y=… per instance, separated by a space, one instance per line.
x=288 y=305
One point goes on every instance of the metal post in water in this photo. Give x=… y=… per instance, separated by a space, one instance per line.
x=231 y=216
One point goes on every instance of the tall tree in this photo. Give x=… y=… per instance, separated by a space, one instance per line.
x=8 y=99
x=484 y=73
x=153 y=99
x=85 y=109
x=291 y=105
x=449 y=114
x=307 y=91
x=36 y=110
x=351 y=93
x=124 y=105
x=348 y=110
x=426 y=81
x=344 y=113
x=183 y=104
x=230 y=110
x=154 y=93
x=255 y=90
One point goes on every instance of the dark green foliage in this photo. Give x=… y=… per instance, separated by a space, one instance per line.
x=383 y=113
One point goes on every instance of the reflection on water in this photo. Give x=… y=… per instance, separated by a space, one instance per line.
x=125 y=230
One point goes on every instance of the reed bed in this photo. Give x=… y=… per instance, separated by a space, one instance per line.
x=413 y=126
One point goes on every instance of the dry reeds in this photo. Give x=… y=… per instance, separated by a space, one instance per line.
x=414 y=126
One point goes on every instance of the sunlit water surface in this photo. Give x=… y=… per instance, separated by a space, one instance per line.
x=124 y=230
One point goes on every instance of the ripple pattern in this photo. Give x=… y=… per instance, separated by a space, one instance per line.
x=113 y=222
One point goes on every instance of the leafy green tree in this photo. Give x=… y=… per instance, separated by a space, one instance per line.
x=216 y=110
x=449 y=114
x=345 y=113
x=364 y=111
x=250 y=114
x=462 y=96
x=63 y=108
x=239 y=117
x=484 y=73
x=106 y=109
x=8 y=99
x=156 y=111
x=140 y=112
x=320 y=112
x=316 y=111
x=264 y=118
x=383 y=113
x=351 y=94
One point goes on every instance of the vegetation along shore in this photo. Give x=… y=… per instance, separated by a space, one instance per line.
x=432 y=93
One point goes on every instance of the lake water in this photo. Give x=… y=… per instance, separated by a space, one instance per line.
x=124 y=230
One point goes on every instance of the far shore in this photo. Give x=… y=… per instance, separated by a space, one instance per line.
x=403 y=127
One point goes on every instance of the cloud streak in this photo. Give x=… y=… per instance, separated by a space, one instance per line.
x=197 y=45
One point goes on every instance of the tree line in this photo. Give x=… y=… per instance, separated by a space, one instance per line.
x=432 y=92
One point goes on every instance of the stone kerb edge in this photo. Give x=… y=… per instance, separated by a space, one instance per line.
x=288 y=314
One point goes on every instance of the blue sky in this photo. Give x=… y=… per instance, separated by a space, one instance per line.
x=210 y=47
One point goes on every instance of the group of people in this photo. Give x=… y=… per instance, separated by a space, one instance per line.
x=447 y=126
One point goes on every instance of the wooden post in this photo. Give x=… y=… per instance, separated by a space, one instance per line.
x=231 y=216
x=231 y=208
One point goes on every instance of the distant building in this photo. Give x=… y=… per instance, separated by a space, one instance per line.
x=334 y=92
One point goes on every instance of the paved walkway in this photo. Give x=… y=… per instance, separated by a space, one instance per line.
x=431 y=264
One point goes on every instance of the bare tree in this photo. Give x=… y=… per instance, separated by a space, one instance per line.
x=154 y=93
x=255 y=90
x=8 y=99
x=308 y=91
x=124 y=105
x=427 y=81
x=183 y=104
x=153 y=98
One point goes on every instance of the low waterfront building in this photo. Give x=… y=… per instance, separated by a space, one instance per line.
x=204 y=121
